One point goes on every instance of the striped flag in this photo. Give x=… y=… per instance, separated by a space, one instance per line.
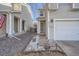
x=2 y=18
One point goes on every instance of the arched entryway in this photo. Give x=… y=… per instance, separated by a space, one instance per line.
x=16 y=24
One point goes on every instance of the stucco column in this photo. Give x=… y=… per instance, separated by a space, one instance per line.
x=50 y=28
x=10 y=24
x=7 y=23
x=20 y=24
x=38 y=27
x=48 y=22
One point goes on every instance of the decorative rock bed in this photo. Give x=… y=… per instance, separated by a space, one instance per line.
x=42 y=53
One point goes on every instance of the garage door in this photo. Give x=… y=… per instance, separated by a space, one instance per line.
x=67 y=30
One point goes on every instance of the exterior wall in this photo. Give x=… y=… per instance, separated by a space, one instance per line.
x=64 y=11
x=5 y=7
x=26 y=15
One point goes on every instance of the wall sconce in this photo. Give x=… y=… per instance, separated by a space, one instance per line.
x=51 y=20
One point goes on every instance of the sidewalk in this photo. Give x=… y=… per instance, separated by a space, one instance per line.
x=10 y=46
x=38 y=43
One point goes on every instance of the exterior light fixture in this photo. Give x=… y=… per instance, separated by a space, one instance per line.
x=51 y=20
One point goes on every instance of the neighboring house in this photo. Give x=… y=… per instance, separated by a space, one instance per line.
x=62 y=21
x=18 y=18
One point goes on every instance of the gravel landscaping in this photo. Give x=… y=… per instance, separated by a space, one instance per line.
x=42 y=53
x=36 y=48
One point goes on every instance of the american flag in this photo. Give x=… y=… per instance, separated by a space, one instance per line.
x=2 y=18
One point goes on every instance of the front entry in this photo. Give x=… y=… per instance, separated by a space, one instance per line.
x=42 y=27
x=23 y=23
x=16 y=24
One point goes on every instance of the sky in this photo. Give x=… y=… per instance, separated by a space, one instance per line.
x=35 y=7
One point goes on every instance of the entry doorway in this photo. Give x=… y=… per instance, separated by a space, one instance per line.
x=23 y=25
x=43 y=27
x=16 y=20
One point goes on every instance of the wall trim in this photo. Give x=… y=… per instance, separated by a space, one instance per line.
x=67 y=19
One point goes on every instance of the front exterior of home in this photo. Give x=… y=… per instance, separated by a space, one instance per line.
x=62 y=21
x=18 y=18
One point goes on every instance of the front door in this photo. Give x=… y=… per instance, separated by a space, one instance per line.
x=43 y=27
x=23 y=23
x=15 y=24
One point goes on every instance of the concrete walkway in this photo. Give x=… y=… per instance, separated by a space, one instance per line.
x=38 y=43
x=71 y=48
x=10 y=46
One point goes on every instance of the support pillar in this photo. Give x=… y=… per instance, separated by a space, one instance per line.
x=48 y=22
x=38 y=27
x=20 y=25
x=10 y=24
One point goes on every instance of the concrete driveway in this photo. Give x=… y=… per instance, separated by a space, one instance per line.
x=71 y=48
x=10 y=46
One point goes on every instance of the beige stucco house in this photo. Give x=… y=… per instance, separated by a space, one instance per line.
x=59 y=21
x=18 y=18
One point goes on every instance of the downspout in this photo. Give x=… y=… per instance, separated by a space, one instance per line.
x=47 y=21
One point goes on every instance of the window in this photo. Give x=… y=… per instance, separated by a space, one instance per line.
x=53 y=6
x=75 y=5
x=41 y=14
x=23 y=22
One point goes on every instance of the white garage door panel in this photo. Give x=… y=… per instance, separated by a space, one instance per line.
x=65 y=30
